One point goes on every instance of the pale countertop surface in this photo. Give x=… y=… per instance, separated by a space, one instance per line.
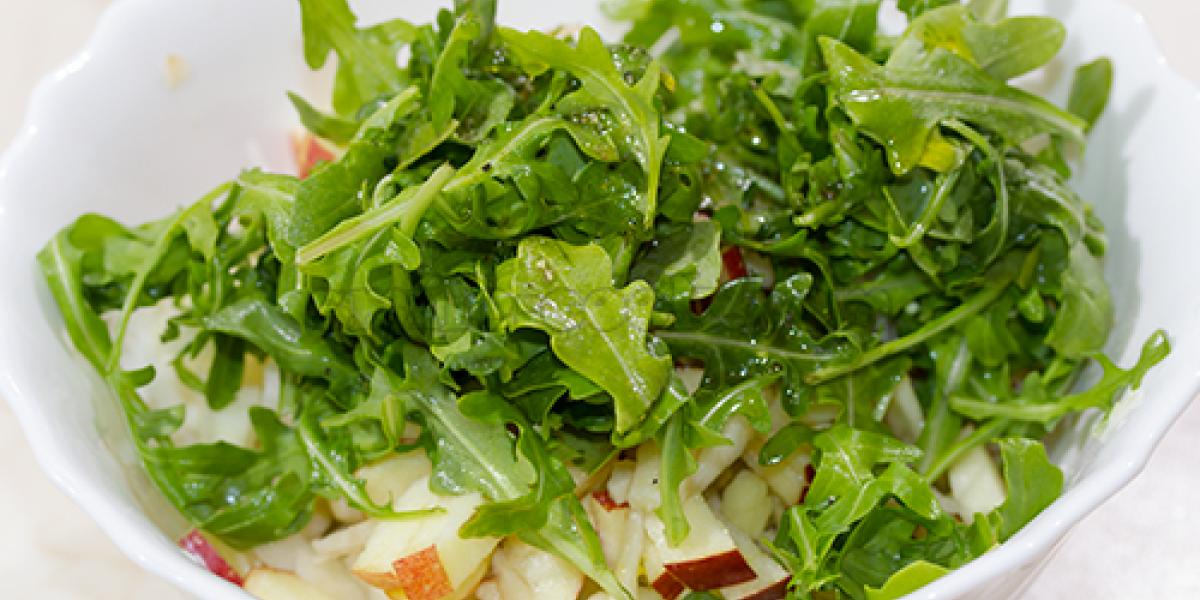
x=1141 y=544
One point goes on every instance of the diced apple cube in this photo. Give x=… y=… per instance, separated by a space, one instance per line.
x=713 y=461
x=388 y=479
x=663 y=582
x=271 y=584
x=975 y=483
x=620 y=480
x=707 y=558
x=644 y=494
x=308 y=151
x=788 y=479
x=621 y=537
x=465 y=590
x=523 y=572
x=770 y=581
x=425 y=557
x=746 y=503
x=904 y=415
x=214 y=556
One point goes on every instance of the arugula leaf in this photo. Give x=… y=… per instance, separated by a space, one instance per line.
x=685 y=265
x=335 y=192
x=330 y=127
x=1090 y=90
x=472 y=454
x=907 y=580
x=900 y=105
x=1032 y=483
x=1033 y=406
x=596 y=329
x=367 y=66
x=603 y=88
x=1086 y=312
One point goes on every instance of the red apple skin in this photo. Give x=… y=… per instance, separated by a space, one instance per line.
x=307 y=152
x=667 y=586
x=733 y=263
x=810 y=472
x=606 y=501
x=776 y=591
x=197 y=545
x=422 y=576
x=713 y=572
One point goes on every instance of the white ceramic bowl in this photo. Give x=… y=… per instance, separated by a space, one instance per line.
x=107 y=133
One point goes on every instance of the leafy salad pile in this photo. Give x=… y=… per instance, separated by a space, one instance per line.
x=525 y=232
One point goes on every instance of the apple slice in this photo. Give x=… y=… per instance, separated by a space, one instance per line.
x=524 y=572
x=660 y=579
x=644 y=494
x=621 y=535
x=711 y=462
x=975 y=483
x=308 y=150
x=271 y=584
x=707 y=558
x=388 y=479
x=212 y=554
x=746 y=503
x=770 y=581
x=904 y=415
x=467 y=589
x=424 y=557
x=620 y=480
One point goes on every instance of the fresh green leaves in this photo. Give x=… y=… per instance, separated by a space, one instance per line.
x=630 y=108
x=594 y=328
x=1034 y=403
x=523 y=233
x=1032 y=482
x=900 y=105
x=367 y=66
x=1090 y=90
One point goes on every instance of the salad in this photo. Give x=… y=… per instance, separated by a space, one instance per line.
x=758 y=302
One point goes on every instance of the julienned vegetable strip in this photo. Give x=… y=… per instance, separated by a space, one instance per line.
x=553 y=293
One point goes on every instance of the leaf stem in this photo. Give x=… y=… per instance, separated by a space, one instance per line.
x=980 y=436
x=406 y=212
x=996 y=286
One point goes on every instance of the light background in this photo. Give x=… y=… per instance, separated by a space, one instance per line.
x=1144 y=543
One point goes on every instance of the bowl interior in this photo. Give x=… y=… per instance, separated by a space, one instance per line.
x=110 y=133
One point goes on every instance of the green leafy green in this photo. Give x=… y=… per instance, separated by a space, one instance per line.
x=534 y=253
x=596 y=329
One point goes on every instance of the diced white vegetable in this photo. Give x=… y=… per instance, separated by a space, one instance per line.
x=770 y=581
x=271 y=584
x=904 y=415
x=707 y=558
x=692 y=377
x=788 y=479
x=644 y=495
x=524 y=572
x=620 y=480
x=713 y=461
x=425 y=557
x=390 y=478
x=347 y=541
x=975 y=483
x=296 y=555
x=746 y=504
